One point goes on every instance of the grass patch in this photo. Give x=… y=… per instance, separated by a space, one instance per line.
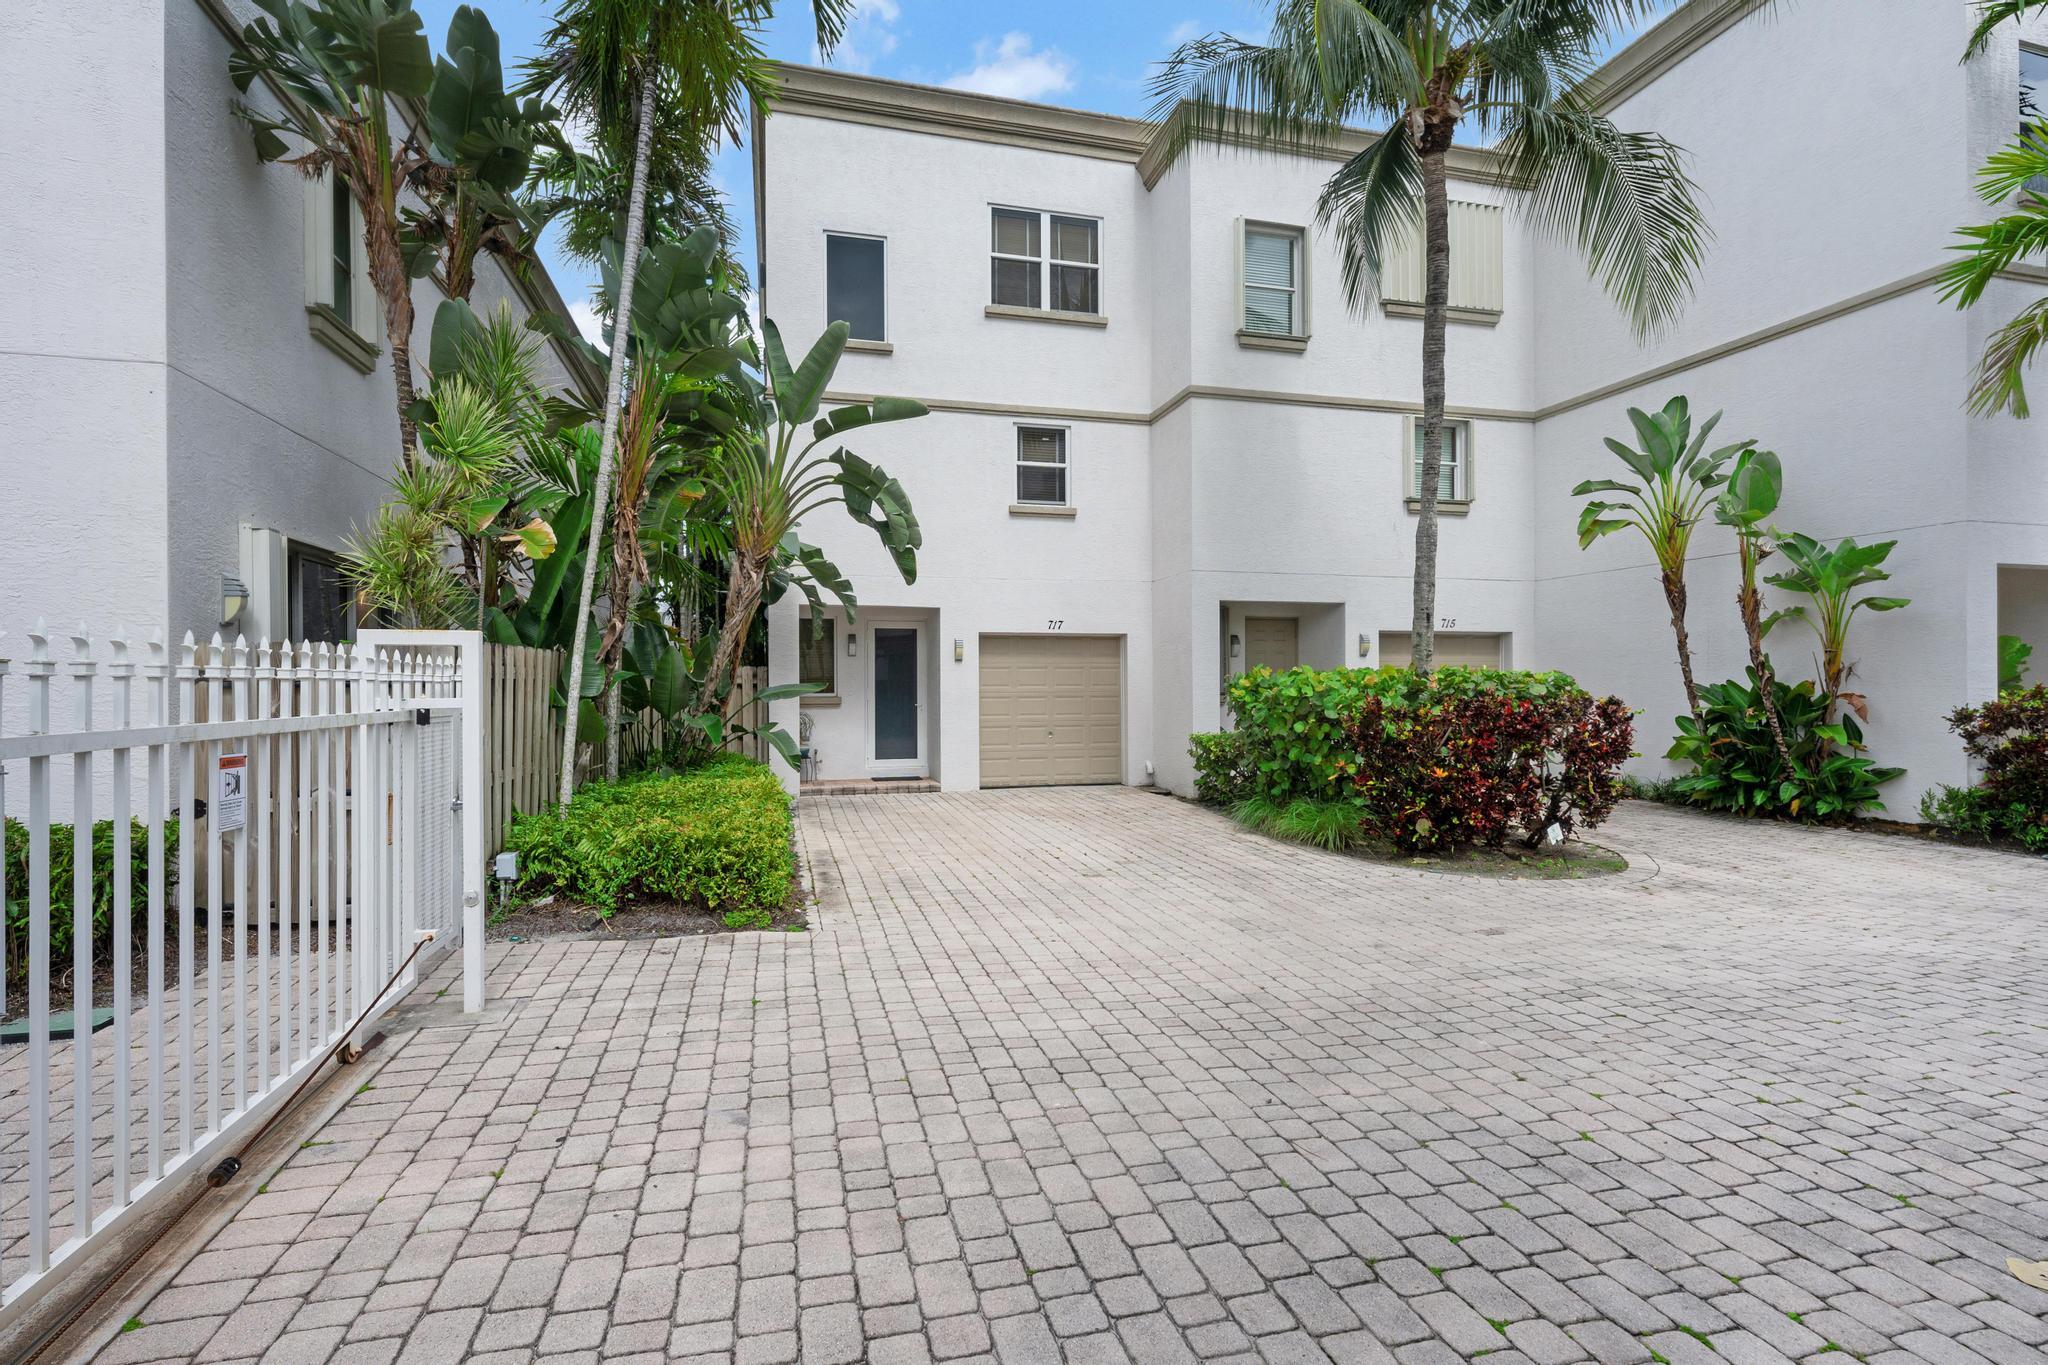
x=1336 y=827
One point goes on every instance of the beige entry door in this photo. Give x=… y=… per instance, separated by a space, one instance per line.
x=1466 y=651
x=1271 y=642
x=1051 y=710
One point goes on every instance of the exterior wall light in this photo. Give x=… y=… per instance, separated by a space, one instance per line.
x=234 y=596
x=852 y=644
x=959 y=649
x=1364 y=645
x=1233 y=646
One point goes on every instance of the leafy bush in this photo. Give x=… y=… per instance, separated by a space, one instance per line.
x=1459 y=756
x=62 y=866
x=716 y=836
x=1226 y=770
x=2009 y=739
x=1736 y=767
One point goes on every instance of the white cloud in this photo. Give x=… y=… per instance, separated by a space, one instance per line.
x=1187 y=30
x=868 y=36
x=1010 y=68
x=584 y=314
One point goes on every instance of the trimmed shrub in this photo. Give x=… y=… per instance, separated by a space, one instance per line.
x=1735 y=764
x=1226 y=770
x=61 y=868
x=1462 y=756
x=2009 y=739
x=717 y=836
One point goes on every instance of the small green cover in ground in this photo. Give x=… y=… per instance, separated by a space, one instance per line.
x=716 y=836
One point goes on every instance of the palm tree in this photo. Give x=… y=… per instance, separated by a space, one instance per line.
x=2012 y=178
x=615 y=64
x=1510 y=71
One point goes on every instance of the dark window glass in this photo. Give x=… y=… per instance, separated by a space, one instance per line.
x=853 y=285
x=1016 y=283
x=1073 y=288
x=1041 y=464
x=815 y=654
x=344 y=253
x=321 y=603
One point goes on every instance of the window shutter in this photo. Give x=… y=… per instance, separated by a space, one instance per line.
x=1477 y=275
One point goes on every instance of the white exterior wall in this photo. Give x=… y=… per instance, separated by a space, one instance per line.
x=1272 y=482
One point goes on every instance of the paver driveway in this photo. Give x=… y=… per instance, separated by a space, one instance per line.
x=1093 y=1075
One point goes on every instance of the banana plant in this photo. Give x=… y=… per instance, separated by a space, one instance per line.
x=780 y=466
x=1678 y=477
x=1755 y=485
x=1831 y=576
x=483 y=141
x=669 y=677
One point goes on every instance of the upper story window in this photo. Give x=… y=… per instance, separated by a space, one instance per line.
x=853 y=284
x=1274 y=298
x=1042 y=466
x=1478 y=286
x=1045 y=260
x=1454 y=472
x=342 y=308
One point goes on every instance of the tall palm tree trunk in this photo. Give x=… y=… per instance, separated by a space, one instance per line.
x=608 y=447
x=1436 y=298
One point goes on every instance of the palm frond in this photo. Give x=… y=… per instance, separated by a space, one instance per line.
x=1991 y=15
x=1372 y=199
x=1624 y=199
x=2000 y=381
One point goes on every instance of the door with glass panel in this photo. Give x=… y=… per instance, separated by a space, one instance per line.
x=896 y=738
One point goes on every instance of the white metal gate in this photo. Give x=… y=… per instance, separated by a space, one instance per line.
x=297 y=812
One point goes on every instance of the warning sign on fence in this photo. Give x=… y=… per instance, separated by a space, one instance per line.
x=230 y=793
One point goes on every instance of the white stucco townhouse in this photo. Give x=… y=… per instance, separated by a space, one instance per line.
x=1163 y=449
x=194 y=384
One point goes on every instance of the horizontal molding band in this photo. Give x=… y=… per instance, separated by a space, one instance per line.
x=1911 y=284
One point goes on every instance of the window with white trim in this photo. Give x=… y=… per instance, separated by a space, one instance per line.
x=1272 y=281
x=1042 y=466
x=814 y=652
x=1045 y=261
x=853 y=284
x=1454 y=481
x=342 y=307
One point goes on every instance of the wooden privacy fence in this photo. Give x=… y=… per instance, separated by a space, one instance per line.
x=316 y=796
x=523 y=734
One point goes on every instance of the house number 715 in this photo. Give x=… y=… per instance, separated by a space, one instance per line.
x=1446 y=623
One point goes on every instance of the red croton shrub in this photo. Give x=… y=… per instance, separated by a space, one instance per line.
x=1438 y=772
x=2009 y=737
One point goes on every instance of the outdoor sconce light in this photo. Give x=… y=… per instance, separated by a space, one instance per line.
x=1233 y=646
x=234 y=595
x=959 y=649
x=1364 y=645
x=852 y=644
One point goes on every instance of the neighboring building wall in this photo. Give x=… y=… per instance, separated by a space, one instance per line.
x=1864 y=404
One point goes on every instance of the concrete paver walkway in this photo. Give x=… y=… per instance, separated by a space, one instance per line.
x=1093 y=1075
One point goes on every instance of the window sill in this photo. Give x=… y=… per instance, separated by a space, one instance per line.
x=1040 y=509
x=1004 y=310
x=819 y=699
x=1477 y=317
x=1269 y=341
x=1445 y=507
x=337 y=336
x=871 y=347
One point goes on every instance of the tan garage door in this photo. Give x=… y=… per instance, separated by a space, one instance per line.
x=1051 y=710
x=1468 y=651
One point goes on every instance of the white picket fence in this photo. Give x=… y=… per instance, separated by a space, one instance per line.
x=344 y=834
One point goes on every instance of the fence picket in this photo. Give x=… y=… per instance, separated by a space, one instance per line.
x=82 y=670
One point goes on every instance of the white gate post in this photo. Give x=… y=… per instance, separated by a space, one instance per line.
x=470 y=660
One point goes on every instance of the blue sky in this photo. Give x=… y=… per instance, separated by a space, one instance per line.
x=1090 y=54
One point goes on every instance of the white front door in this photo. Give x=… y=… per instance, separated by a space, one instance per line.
x=896 y=711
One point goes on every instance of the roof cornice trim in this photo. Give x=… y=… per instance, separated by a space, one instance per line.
x=1675 y=37
x=847 y=97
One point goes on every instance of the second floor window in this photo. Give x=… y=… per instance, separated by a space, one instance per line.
x=1042 y=466
x=341 y=264
x=1045 y=260
x=1272 y=281
x=1452 y=484
x=853 y=284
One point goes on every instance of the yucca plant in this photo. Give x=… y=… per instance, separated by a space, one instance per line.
x=1678 y=477
x=1832 y=576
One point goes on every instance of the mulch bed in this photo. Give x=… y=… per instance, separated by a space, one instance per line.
x=564 y=919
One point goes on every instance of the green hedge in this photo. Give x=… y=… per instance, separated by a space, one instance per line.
x=716 y=836
x=61 y=868
x=1429 y=763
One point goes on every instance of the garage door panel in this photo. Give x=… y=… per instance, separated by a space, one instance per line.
x=1464 y=651
x=1051 y=710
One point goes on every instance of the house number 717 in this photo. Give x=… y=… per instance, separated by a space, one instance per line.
x=1055 y=625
